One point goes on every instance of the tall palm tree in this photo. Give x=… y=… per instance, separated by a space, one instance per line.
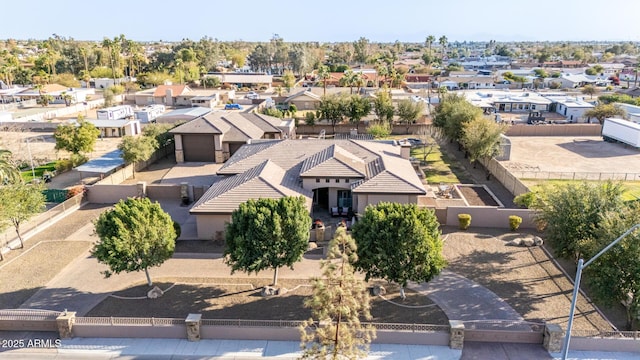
x=324 y=75
x=443 y=43
x=430 y=40
x=348 y=79
x=8 y=172
x=382 y=70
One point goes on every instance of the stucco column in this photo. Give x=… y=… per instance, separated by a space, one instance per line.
x=65 y=324
x=553 y=336
x=193 y=326
x=456 y=334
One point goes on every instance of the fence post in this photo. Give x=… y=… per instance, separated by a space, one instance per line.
x=65 y=324
x=456 y=334
x=552 y=340
x=193 y=326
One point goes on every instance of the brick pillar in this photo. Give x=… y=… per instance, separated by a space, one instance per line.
x=141 y=189
x=553 y=337
x=193 y=326
x=456 y=334
x=65 y=324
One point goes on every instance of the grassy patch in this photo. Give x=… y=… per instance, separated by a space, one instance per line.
x=28 y=175
x=441 y=168
x=631 y=188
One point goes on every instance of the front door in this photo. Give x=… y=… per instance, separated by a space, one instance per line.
x=344 y=198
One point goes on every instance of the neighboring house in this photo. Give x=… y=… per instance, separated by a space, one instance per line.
x=610 y=69
x=345 y=174
x=149 y=113
x=633 y=111
x=573 y=108
x=303 y=100
x=205 y=98
x=250 y=80
x=182 y=115
x=163 y=94
x=634 y=92
x=505 y=101
x=573 y=81
x=217 y=136
x=115 y=112
x=58 y=92
x=467 y=82
x=117 y=128
x=563 y=64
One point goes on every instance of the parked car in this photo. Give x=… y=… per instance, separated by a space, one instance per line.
x=414 y=141
x=233 y=107
x=252 y=95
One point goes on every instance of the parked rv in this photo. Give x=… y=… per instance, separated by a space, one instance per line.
x=620 y=130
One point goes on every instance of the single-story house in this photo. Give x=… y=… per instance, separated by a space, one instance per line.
x=163 y=94
x=467 y=82
x=331 y=174
x=303 y=100
x=58 y=92
x=116 y=128
x=633 y=92
x=573 y=108
x=505 y=101
x=217 y=136
x=250 y=80
x=182 y=115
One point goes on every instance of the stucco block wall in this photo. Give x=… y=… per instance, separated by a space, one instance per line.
x=209 y=225
x=373 y=199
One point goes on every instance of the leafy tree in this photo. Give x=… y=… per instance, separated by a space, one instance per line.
x=589 y=90
x=137 y=148
x=452 y=113
x=383 y=106
x=8 y=172
x=613 y=277
x=20 y=202
x=289 y=79
x=481 y=138
x=44 y=100
x=379 y=130
x=541 y=73
x=357 y=108
x=135 y=235
x=333 y=108
x=339 y=297
x=570 y=214
x=409 y=111
x=267 y=233
x=211 y=81
x=76 y=139
x=399 y=243
x=604 y=111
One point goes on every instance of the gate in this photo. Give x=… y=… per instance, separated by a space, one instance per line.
x=55 y=195
x=504 y=331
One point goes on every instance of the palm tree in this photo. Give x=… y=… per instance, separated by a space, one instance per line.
x=430 y=40
x=348 y=79
x=8 y=172
x=443 y=43
x=382 y=70
x=324 y=75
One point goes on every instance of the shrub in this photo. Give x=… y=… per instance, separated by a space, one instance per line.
x=310 y=118
x=526 y=200
x=78 y=159
x=514 y=222
x=464 y=221
x=64 y=165
x=177 y=228
x=379 y=131
x=73 y=191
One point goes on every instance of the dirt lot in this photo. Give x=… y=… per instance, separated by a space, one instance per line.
x=571 y=154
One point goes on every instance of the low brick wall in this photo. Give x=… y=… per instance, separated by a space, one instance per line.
x=492 y=217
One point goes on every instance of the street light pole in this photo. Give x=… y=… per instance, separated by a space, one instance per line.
x=33 y=172
x=576 y=287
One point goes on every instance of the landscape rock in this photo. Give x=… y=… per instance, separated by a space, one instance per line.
x=378 y=290
x=269 y=291
x=515 y=242
x=155 y=293
x=528 y=242
x=537 y=240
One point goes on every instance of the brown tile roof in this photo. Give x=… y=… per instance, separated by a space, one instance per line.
x=49 y=88
x=236 y=126
x=161 y=90
x=200 y=125
x=333 y=161
x=265 y=180
x=305 y=92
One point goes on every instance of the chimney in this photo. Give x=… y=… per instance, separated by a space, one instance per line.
x=169 y=97
x=405 y=149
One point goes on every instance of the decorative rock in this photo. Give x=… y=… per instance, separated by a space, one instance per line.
x=155 y=293
x=312 y=246
x=528 y=242
x=378 y=290
x=537 y=240
x=515 y=242
x=269 y=291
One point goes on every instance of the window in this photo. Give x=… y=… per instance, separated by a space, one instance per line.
x=346 y=181
x=317 y=180
x=337 y=180
x=327 y=180
x=533 y=107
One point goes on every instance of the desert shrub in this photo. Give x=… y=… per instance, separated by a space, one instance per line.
x=379 y=131
x=63 y=165
x=78 y=159
x=73 y=191
x=526 y=200
x=310 y=118
x=177 y=228
x=464 y=220
x=514 y=222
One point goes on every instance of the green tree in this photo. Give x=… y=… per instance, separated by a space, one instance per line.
x=137 y=148
x=452 y=112
x=135 y=235
x=349 y=79
x=341 y=299
x=589 y=90
x=76 y=138
x=604 y=111
x=20 y=202
x=614 y=277
x=44 y=100
x=541 y=73
x=570 y=214
x=383 y=106
x=267 y=233
x=357 y=108
x=288 y=79
x=409 y=111
x=324 y=75
x=481 y=138
x=379 y=130
x=333 y=108
x=8 y=172
x=399 y=243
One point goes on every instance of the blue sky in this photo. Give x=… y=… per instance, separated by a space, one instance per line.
x=324 y=20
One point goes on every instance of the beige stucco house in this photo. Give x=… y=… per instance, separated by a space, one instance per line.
x=346 y=175
x=303 y=100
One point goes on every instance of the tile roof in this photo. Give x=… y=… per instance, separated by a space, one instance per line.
x=201 y=125
x=389 y=175
x=305 y=92
x=161 y=90
x=236 y=126
x=265 y=180
x=333 y=161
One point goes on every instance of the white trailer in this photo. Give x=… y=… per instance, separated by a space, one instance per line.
x=149 y=113
x=115 y=112
x=621 y=130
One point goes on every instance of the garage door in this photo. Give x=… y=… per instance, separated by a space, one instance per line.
x=198 y=148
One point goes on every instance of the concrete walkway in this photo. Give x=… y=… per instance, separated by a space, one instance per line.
x=463 y=299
